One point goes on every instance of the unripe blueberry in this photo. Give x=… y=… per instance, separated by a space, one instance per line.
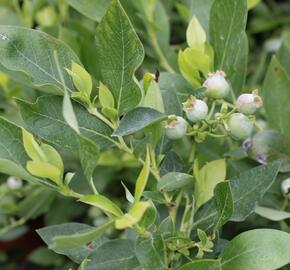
x=176 y=127
x=216 y=85
x=285 y=187
x=195 y=109
x=14 y=183
x=240 y=126
x=249 y=103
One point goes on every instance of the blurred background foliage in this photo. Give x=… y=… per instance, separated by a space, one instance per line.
x=161 y=25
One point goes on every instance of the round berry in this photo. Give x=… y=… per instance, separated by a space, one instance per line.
x=285 y=187
x=249 y=103
x=176 y=127
x=240 y=126
x=216 y=85
x=14 y=183
x=195 y=109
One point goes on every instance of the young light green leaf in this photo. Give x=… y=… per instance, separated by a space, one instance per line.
x=31 y=147
x=174 y=181
x=81 y=79
x=262 y=249
x=69 y=114
x=272 y=214
x=253 y=3
x=32 y=53
x=129 y=196
x=195 y=34
x=224 y=202
x=103 y=203
x=52 y=156
x=44 y=170
x=133 y=216
x=79 y=239
x=208 y=177
x=118 y=46
x=153 y=98
x=105 y=96
x=137 y=119
x=142 y=178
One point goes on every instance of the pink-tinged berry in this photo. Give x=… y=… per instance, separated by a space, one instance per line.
x=195 y=109
x=216 y=85
x=176 y=127
x=285 y=187
x=240 y=126
x=249 y=103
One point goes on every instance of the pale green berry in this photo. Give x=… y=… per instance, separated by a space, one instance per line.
x=249 y=103
x=14 y=183
x=176 y=127
x=285 y=187
x=240 y=126
x=195 y=109
x=216 y=85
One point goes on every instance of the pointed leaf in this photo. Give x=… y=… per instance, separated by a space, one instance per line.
x=118 y=46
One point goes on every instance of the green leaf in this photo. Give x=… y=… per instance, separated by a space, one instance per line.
x=76 y=254
x=80 y=238
x=103 y=203
x=105 y=96
x=133 y=216
x=248 y=188
x=263 y=249
x=118 y=46
x=195 y=34
x=150 y=252
x=173 y=181
x=13 y=157
x=149 y=216
x=227 y=26
x=29 y=52
x=253 y=3
x=272 y=214
x=142 y=179
x=47 y=111
x=44 y=257
x=205 y=264
x=81 y=79
x=93 y=9
x=69 y=114
x=89 y=154
x=44 y=170
x=207 y=178
x=276 y=96
x=224 y=202
x=153 y=98
x=114 y=255
x=138 y=119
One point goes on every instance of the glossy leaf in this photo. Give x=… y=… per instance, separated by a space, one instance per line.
x=263 y=249
x=119 y=47
x=105 y=96
x=174 y=181
x=103 y=203
x=153 y=98
x=30 y=52
x=138 y=119
x=205 y=264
